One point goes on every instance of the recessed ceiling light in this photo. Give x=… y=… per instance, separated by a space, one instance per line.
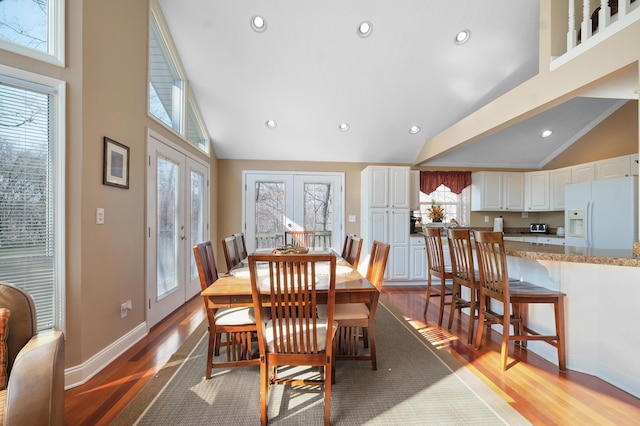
x=546 y=133
x=414 y=129
x=271 y=124
x=462 y=37
x=343 y=127
x=258 y=23
x=365 y=29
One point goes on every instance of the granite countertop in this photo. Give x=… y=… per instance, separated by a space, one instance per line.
x=560 y=253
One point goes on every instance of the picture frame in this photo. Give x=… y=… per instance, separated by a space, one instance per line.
x=116 y=164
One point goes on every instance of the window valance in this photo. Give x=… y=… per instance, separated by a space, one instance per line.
x=455 y=181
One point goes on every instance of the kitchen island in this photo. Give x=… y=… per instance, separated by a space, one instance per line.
x=602 y=286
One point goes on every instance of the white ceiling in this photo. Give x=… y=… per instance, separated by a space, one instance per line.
x=310 y=71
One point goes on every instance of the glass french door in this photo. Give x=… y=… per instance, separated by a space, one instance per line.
x=177 y=218
x=276 y=202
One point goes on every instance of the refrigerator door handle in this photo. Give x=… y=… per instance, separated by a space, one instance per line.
x=589 y=223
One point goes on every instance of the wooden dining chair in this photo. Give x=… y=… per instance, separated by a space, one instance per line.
x=353 y=254
x=513 y=297
x=237 y=325
x=357 y=320
x=231 y=255
x=436 y=268
x=346 y=246
x=301 y=238
x=463 y=275
x=289 y=288
x=241 y=245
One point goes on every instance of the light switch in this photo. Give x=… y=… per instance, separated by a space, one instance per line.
x=99 y=216
x=352 y=218
x=486 y=219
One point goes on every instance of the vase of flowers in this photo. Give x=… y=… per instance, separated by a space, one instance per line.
x=436 y=213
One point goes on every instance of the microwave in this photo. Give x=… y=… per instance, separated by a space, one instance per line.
x=538 y=227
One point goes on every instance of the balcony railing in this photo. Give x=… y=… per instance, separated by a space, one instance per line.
x=588 y=26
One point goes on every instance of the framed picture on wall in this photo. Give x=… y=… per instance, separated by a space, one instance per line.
x=116 y=164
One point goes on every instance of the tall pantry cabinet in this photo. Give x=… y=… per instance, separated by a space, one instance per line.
x=385 y=216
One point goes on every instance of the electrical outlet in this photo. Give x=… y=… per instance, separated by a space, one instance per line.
x=123 y=310
x=99 y=216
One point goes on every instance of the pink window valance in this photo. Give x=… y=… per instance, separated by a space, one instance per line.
x=455 y=181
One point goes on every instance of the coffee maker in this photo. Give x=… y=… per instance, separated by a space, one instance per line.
x=412 y=226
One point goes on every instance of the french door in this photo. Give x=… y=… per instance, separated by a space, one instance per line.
x=177 y=218
x=276 y=202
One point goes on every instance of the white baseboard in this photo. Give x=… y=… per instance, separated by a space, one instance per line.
x=80 y=374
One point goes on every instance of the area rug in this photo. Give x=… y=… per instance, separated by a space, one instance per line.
x=413 y=385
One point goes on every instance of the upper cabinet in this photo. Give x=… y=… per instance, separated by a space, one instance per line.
x=388 y=187
x=497 y=191
x=414 y=192
x=583 y=173
x=537 y=194
x=613 y=167
x=558 y=178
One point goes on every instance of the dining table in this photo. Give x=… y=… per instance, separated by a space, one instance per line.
x=234 y=288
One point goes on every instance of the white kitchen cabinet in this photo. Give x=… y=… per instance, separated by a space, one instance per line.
x=633 y=164
x=612 y=167
x=558 y=179
x=414 y=188
x=385 y=215
x=551 y=240
x=583 y=172
x=497 y=191
x=418 y=259
x=537 y=191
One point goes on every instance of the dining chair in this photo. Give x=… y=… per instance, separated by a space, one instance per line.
x=289 y=286
x=437 y=268
x=357 y=320
x=463 y=275
x=301 y=238
x=353 y=254
x=238 y=325
x=231 y=256
x=346 y=246
x=241 y=245
x=513 y=297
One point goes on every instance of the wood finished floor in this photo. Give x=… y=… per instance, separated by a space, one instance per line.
x=532 y=385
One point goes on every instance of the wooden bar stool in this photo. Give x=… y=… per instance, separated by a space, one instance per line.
x=513 y=296
x=436 y=268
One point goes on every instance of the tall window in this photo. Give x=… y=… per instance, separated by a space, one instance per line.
x=455 y=206
x=170 y=100
x=31 y=195
x=33 y=28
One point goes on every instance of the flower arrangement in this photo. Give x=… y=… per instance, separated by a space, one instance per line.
x=436 y=213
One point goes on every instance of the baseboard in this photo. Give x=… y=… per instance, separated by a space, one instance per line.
x=80 y=374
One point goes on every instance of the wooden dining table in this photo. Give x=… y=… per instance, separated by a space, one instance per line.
x=234 y=288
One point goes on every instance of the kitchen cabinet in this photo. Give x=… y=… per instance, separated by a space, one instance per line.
x=418 y=259
x=583 y=172
x=497 y=191
x=537 y=191
x=558 y=179
x=633 y=164
x=414 y=188
x=612 y=168
x=385 y=215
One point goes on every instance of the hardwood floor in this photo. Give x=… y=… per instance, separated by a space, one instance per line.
x=532 y=385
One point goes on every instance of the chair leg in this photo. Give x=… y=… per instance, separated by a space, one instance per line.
x=426 y=305
x=328 y=379
x=454 y=305
x=504 y=346
x=560 y=332
x=372 y=343
x=442 y=301
x=264 y=392
x=472 y=315
x=481 y=309
x=210 y=349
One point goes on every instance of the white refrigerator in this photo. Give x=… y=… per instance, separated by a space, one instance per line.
x=602 y=213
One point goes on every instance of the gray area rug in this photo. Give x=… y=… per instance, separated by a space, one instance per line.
x=413 y=385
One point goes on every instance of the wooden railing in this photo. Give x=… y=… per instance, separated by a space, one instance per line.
x=599 y=21
x=273 y=240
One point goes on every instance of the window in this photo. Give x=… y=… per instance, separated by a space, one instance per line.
x=31 y=192
x=455 y=206
x=168 y=88
x=33 y=28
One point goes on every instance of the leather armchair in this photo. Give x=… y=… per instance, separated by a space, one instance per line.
x=35 y=386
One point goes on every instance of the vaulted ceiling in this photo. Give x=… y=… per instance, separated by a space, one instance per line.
x=310 y=70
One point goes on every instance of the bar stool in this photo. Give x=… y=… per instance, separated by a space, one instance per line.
x=436 y=268
x=513 y=296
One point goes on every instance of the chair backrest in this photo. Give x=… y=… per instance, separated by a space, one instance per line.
x=435 y=256
x=22 y=324
x=241 y=245
x=206 y=264
x=492 y=263
x=377 y=263
x=461 y=252
x=353 y=255
x=346 y=246
x=230 y=248
x=288 y=286
x=301 y=238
